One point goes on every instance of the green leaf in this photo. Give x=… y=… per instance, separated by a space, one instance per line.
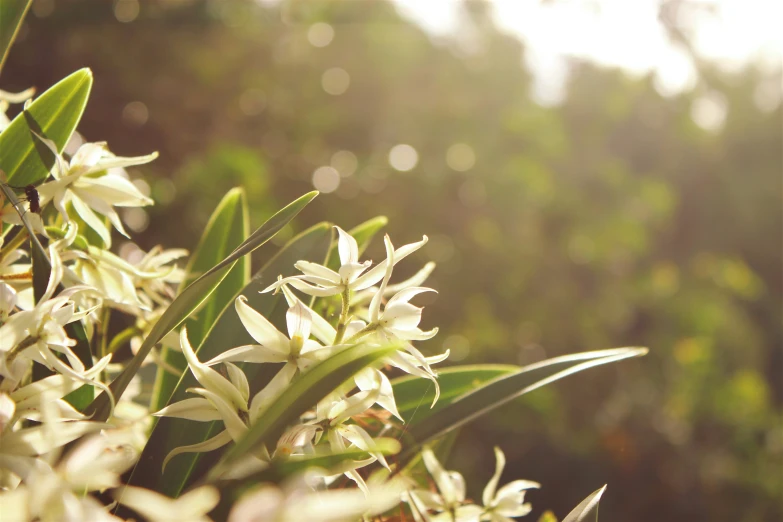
x=191 y=298
x=228 y=332
x=503 y=389
x=12 y=13
x=41 y=272
x=414 y=395
x=53 y=115
x=587 y=510
x=227 y=228
x=312 y=386
x=280 y=469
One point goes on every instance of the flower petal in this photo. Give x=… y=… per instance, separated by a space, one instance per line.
x=260 y=328
x=489 y=491
x=376 y=273
x=114 y=190
x=252 y=353
x=191 y=409
x=236 y=428
x=209 y=378
x=375 y=304
x=93 y=221
x=219 y=440
x=299 y=321
x=272 y=390
x=321 y=329
x=347 y=247
x=315 y=270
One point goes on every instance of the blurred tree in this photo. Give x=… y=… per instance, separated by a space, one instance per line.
x=610 y=219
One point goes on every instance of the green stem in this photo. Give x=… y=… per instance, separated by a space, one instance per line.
x=26 y=343
x=13 y=244
x=121 y=338
x=342 y=324
x=364 y=332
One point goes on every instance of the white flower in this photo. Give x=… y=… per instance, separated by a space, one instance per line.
x=449 y=501
x=508 y=501
x=318 y=280
x=297 y=501
x=192 y=506
x=34 y=335
x=155 y=274
x=296 y=349
x=366 y=380
x=76 y=183
x=32 y=399
x=416 y=279
x=222 y=399
x=7 y=301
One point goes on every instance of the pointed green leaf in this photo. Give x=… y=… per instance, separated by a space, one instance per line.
x=11 y=15
x=227 y=228
x=414 y=395
x=503 y=389
x=587 y=510
x=191 y=298
x=53 y=115
x=227 y=333
x=315 y=384
x=280 y=469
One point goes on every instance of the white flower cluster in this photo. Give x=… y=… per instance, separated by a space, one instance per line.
x=57 y=464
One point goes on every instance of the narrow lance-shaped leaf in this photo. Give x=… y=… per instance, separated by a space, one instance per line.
x=414 y=395
x=319 y=381
x=191 y=298
x=280 y=469
x=12 y=13
x=228 y=332
x=226 y=229
x=54 y=116
x=587 y=510
x=504 y=389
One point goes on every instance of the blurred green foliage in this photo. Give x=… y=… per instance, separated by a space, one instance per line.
x=611 y=219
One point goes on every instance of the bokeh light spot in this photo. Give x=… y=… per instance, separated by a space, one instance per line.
x=130 y=252
x=320 y=34
x=335 y=81
x=345 y=162
x=403 y=157
x=126 y=10
x=460 y=157
x=165 y=191
x=458 y=345
x=136 y=219
x=709 y=111
x=43 y=8
x=326 y=179
x=135 y=113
